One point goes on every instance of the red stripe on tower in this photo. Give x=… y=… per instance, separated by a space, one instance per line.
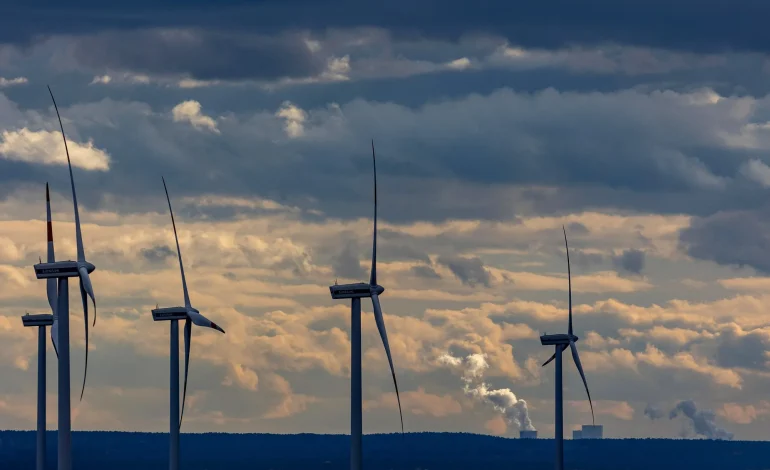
x=48 y=203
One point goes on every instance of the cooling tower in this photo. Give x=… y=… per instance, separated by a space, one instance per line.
x=592 y=431
x=528 y=434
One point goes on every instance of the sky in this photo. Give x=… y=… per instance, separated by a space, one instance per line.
x=642 y=127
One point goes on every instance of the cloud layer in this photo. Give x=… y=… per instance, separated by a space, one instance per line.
x=492 y=132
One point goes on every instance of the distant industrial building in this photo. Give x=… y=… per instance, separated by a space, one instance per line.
x=592 y=431
x=527 y=434
x=577 y=434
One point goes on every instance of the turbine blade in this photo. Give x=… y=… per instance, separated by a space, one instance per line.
x=50 y=282
x=187 y=341
x=553 y=357
x=373 y=276
x=384 y=335
x=85 y=282
x=576 y=358
x=78 y=235
x=569 y=280
x=200 y=320
x=83 y=296
x=549 y=360
x=55 y=336
x=178 y=250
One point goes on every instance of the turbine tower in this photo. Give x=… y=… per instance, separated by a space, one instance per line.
x=355 y=292
x=62 y=271
x=562 y=342
x=41 y=321
x=191 y=316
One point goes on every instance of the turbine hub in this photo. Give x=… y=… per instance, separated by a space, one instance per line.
x=376 y=289
x=89 y=266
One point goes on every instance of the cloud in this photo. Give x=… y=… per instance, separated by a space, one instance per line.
x=291 y=404
x=157 y=254
x=425 y=272
x=757 y=171
x=743 y=349
x=469 y=271
x=744 y=414
x=121 y=78
x=346 y=264
x=419 y=403
x=199 y=54
x=294 y=117
x=320 y=171
x=242 y=377
x=631 y=261
x=618 y=409
x=7 y=82
x=738 y=238
x=47 y=147
x=190 y=112
x=530 y=27
x=471 y=174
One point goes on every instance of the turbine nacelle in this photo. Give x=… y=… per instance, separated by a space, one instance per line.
x=43 y=319
x=169 y=313
x=355 y=291
x=57 y=269
x=61 y=269
x=552 y=340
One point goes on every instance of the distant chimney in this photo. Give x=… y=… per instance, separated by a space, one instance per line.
x=592 y=431
x=527 y=434
x=577 y=434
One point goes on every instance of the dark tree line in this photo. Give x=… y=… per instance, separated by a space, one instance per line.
x=431 y=451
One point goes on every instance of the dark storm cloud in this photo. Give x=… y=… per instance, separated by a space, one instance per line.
x=585 y=260
x=631 y=261
x=748 y=351
x=739 y=238
x=156 y=254
x=683 y=24
x=470 y=271
x=577 y=228
x=205 y=55
x=425 y=272
x=346 y=263
x=493 y=156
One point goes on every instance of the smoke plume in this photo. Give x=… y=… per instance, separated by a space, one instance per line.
x=653 y=412
x=503 y=400
x=702 y=422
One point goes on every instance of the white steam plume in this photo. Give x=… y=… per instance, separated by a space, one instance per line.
x=503 y=400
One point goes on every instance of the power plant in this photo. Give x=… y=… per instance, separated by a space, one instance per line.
x=592 y=431
x=524 y=434
x=589 y=431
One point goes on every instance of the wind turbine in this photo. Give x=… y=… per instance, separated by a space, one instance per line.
x=191 y=316
x=41 y=321
x=562 y=342
x=63 y=270
x=355 y=292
